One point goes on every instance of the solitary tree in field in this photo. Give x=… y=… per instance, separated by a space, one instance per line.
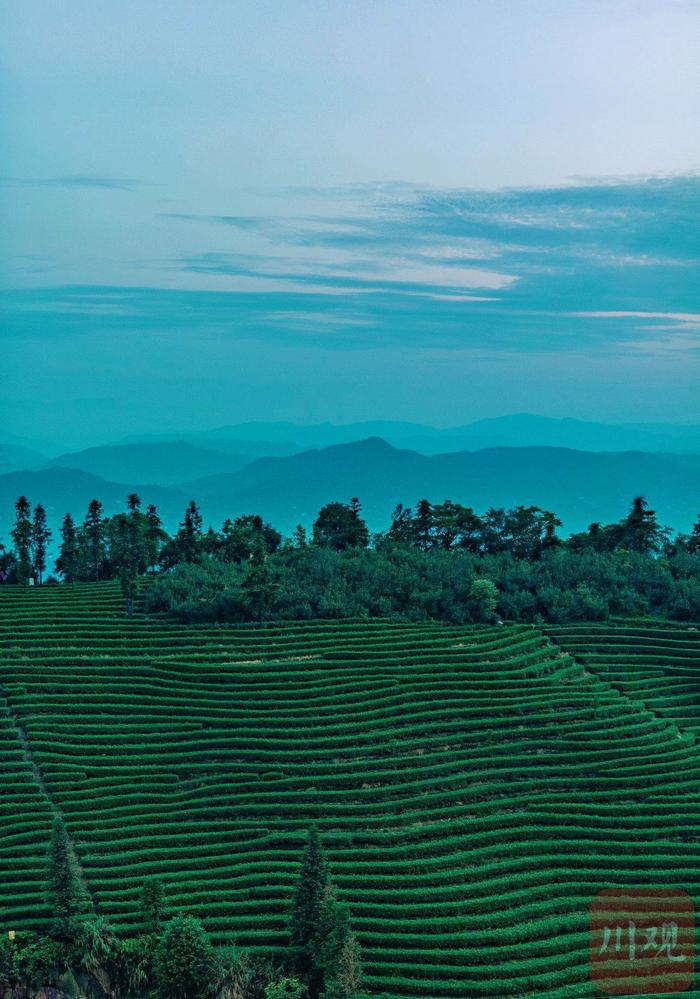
x=63 y=892
x=312 y=888
x=22 y=539
x=67 y=561
x=41 y=535
x=94 y=529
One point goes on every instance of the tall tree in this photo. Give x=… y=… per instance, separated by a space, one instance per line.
x=67 y=561
x=258 y=586
x=152 y=906
x=63 y=892
x=154 y=538
x=641 y=531
x=188 y=543
x=94 y=529
x=694 y=538
x=424 y=524
x=311 y=890
x=340 y=526
x=336 y=951
x=41 y=535
x=125 y=555
x=22 y=539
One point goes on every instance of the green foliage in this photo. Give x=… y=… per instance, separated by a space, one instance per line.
x=340 y=526
x=67 y=561
x=41 y=536
x=184 y=964
x=152 y=906
x=22 y=539
x=312 y=886
x=64 y=893
x=286 y=988
x=484 y=596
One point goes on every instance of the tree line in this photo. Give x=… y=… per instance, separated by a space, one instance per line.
x=171 y=955
x=435 y=560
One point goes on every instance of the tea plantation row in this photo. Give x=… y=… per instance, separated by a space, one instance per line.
x=474 y=786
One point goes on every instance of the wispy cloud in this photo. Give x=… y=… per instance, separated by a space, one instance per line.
x=77 y=181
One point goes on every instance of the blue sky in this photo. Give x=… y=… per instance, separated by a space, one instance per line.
x=435 y=211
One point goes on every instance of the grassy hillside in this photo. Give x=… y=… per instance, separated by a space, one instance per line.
x=474 y=786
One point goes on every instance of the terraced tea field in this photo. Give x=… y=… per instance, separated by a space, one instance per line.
x=474 y=787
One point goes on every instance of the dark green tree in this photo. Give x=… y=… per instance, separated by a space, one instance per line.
x=693 y=543
x=94 y=535
x=67 y=561
x=424 y=525
x=125 y=555
x=184 y=963
x=22 y=539
x=340 y=526
x=240 y=537
x=41 y=536
x=154 y=538
x=188 y=543
x=152 y=906
x=641 y=531
x=258 y=586
x=63 y=891
x=313 y=885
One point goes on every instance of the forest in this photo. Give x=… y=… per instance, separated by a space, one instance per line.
x=435 y=561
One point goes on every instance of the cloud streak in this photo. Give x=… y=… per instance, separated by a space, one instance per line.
x=75 y=182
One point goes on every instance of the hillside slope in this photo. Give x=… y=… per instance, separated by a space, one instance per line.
x=473 y=786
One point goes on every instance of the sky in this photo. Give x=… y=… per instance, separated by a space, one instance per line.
x=431 y=210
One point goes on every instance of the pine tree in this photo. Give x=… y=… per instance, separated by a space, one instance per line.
x=424 y=524
x=307 y=905
x=95 y=536
x=641 y=530
x=67 y=561
x=63 y=891
x=41 y=535
x=153 y=538
x=694 y=539
x=22 y=539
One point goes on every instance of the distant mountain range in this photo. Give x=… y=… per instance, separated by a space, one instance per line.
x=579 y=486
x=519 y=430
